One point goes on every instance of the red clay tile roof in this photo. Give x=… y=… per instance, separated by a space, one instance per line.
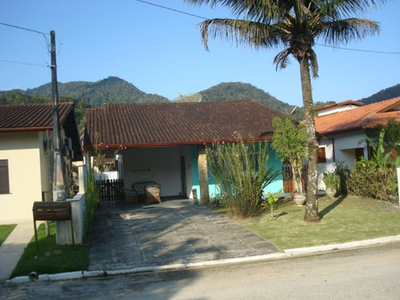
x=339 y=104
x=367 y=116
x=31 y=117
x=168 y=124
x=38 y=117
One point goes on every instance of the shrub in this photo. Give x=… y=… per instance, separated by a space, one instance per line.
x=331 y=180
x=369 y=179
x=241 y=173
x=343 y=172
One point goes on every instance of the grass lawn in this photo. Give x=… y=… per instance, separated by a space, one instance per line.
x=343 y=219
x=51 y=258
x=5 y=231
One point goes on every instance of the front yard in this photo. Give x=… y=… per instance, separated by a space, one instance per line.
x=343 y=219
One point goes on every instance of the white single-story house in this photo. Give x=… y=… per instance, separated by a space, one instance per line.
x=165 y=142
x=25 y=155
x=342 y=128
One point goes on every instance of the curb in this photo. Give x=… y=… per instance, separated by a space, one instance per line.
x=343 y=246
x=274 y=256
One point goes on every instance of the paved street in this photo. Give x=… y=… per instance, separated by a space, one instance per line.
x=367 y=273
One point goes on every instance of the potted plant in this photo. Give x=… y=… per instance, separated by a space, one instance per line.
x=332 y=183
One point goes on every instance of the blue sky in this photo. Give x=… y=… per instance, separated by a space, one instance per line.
x=160 y=51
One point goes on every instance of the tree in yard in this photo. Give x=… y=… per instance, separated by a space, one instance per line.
x=291 y=145
x=295 y=25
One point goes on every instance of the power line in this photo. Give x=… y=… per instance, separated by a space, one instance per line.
x=172 y=9
x=334 y=47
x=359 y=50
x=23 y=63
x=26 y=29
x=30 y=30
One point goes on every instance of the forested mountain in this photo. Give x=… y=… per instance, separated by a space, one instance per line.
x=228 y=91
x=109 y=90
x=116 y=90
x=384 y=94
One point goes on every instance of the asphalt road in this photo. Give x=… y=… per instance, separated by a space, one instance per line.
x=368 y=273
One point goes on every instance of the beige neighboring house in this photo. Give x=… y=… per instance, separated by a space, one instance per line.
x=26 y=156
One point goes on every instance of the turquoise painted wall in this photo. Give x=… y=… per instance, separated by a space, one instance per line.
x=274 y=161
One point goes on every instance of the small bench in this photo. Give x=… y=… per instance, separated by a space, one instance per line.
x=52 y=211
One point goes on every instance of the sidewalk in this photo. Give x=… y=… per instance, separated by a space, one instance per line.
x=13 y=247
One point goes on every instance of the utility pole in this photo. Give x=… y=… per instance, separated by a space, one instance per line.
x=59 y=180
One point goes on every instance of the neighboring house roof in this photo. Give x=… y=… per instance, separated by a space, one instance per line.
x=38 y=117
x=363 y=117
x=173 y=124
x=337 y=107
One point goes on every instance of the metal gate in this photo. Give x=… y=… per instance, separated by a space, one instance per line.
x=287 y=178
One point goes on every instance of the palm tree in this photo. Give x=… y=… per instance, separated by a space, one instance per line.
x=295 y=25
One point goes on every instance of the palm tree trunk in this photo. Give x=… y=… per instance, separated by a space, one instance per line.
x=311 y=211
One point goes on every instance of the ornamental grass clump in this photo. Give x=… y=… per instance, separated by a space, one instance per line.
x=241 y=173
x=92 y=199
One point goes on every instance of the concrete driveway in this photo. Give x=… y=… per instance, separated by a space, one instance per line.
x=173 y=232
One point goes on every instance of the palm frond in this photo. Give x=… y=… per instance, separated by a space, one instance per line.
x=242 y=32
x=346 y=30
x=346 y=8
x=263 y=11
x=312 y=58
x=281 y=60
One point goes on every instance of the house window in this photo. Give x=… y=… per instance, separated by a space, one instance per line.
x=321 y=155
x=358 y=153
x=4 y=180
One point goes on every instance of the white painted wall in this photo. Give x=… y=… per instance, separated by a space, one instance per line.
x=344 y=147
x=335 y=109
x=155 y=164
x=329 y=166
x=24 y=151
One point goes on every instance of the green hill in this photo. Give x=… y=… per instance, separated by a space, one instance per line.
x=385 y=94
x=116 y=90
x=109 y=90
x=229 y=91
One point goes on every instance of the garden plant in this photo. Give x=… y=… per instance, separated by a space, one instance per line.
x=241 y=173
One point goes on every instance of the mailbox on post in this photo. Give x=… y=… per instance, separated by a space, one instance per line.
x=52 y=211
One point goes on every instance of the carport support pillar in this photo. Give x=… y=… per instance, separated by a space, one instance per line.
x=203 y=174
